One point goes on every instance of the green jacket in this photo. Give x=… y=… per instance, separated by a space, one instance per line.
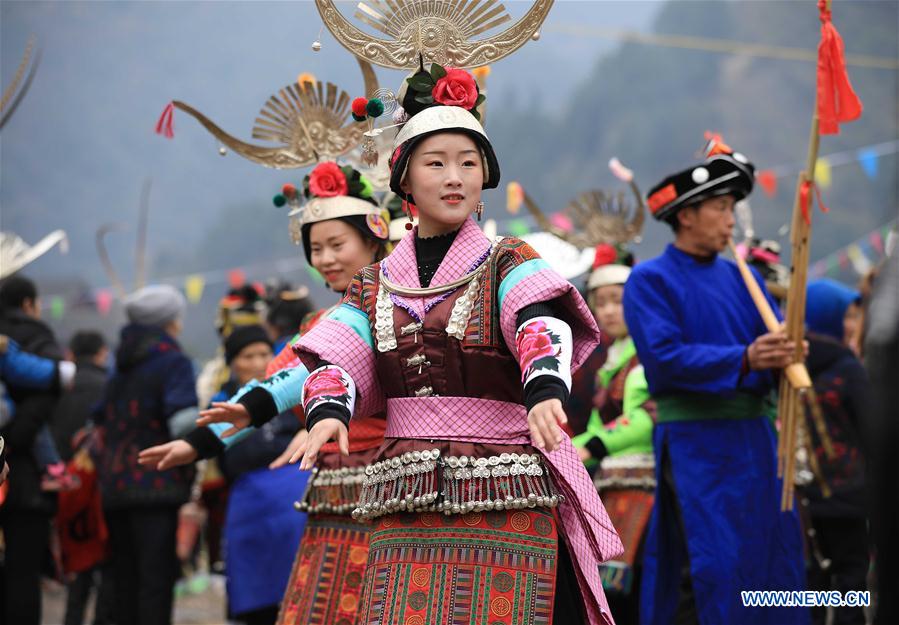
x=626 y=413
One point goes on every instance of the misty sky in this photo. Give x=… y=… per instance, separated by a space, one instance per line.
x=78 y=149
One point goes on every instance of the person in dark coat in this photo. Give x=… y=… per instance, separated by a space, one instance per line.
x=73 y=413
x=150 y=399
x=881 y=349
x=839 y=521
x=842 y=391
x=26 y=514
x=90 y=354
x=262 y=529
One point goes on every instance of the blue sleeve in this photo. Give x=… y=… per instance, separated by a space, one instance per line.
x=285 y=388
x=19 y=368
x=670 y=363
x=7 y=408
x=219 y=428
x=179 y=390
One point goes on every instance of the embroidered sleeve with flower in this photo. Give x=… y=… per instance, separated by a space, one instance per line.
x=328 y=384
x=544 y=349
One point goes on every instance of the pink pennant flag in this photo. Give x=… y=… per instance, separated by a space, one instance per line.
x=561 y=221
x=104 y=301
x=236 y=278
x=877 y=242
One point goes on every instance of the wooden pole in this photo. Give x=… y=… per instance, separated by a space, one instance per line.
x=800 y=236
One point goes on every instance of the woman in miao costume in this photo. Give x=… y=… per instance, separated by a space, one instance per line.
x=482 y=511
x=326 y=577
x=619 y=433
x=342 y=228
x=617 y=443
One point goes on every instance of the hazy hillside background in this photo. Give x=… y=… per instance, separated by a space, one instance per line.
x=77 y=152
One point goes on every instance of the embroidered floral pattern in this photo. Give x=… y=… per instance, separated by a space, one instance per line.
x=328 y=384
x=538 y=349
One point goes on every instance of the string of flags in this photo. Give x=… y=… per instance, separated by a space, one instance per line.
x=867 y=157
x=859 y=256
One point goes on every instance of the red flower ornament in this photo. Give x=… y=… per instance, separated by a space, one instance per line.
x=605 y=254
x=457 y=88
x=327 y=180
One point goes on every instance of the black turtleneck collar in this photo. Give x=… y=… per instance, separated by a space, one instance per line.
x=429 y=253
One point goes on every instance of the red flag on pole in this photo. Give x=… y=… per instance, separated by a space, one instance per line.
x=837 y=102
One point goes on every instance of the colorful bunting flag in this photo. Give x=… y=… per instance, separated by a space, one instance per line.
x=57 y=307
x=767 y=180
x=236 y=278
x=518 y=227
x=561 y=221
x=822 y=173
x=870 y=161
x=877 y=242
x=193 y=288
x=104 y=301
x=860 y=262
x=514 y=197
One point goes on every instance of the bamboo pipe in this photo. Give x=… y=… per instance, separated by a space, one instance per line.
x=789 y=479
x=782 y=408
x=796 y=372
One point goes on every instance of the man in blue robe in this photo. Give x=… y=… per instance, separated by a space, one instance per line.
x=710 y=363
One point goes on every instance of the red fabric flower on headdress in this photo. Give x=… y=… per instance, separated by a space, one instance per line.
x=328 y=180
x=457 y=88
x=605 y=255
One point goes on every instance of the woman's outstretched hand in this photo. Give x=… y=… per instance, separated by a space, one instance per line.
x=544 y=421
x=223 y=412
x=322 y=432
x=287 y=456
x=171 y=454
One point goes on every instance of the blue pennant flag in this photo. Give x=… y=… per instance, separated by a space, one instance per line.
x=868 y=158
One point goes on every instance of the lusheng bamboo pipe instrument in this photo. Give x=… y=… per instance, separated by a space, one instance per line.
x=796 y=373
x=836 y=102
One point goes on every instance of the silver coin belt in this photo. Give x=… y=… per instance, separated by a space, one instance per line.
x=333 y=491
x=425 y=481
x=633 y=471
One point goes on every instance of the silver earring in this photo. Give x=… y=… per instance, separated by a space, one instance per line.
x=479 y=209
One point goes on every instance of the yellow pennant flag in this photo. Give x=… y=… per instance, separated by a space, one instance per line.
x=860 y=262
x=193 y=288
x=822 y=173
